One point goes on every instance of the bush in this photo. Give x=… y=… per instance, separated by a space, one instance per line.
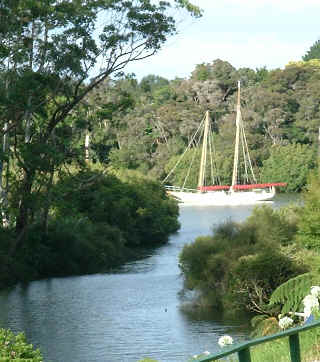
x=15 y=347
x=139 y=208
x=96 y=223
x=255 y=277
x=272 y=226
x=70 y=247
x=241 y=264
x=290 y=163
x=308 y=225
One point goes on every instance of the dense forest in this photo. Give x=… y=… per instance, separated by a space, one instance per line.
x=84 y=150
x=83 y=156
x=267 y=264
x=62 y=210
x=147 y=125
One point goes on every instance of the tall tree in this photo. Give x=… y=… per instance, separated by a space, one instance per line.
x=48 y=51
x=313 y=52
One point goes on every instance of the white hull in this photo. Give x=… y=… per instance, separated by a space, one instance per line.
x=226 y=198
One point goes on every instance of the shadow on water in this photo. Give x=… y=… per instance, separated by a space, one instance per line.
x=199 y=315
x=135 y=311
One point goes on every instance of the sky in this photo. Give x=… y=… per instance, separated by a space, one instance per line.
x=246 y=33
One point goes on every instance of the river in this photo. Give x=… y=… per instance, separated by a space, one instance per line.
x=132 y=313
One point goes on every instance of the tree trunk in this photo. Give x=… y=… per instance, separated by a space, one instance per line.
x=3 y=187
x=87 y=146
x=47 y=203
x=24 y=205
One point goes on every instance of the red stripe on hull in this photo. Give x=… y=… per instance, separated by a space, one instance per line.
x=242 y=187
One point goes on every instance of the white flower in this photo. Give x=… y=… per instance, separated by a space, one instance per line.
x=315 y=290
x=311 y=302
x=285 y=322
x=225 y=341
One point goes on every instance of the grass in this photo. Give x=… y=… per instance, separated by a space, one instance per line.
x=278 y=350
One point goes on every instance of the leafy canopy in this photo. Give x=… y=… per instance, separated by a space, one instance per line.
x=313 y=52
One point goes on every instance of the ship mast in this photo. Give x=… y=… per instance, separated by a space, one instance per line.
x=204 y=153
x=236 y=147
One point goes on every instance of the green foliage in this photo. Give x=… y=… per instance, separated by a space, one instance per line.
x=202 y=72
x=193 y=258
x=274 y=226
x=96 y=222
x=152 y=82
x=242 y=264
x=309 y=220
x=278 y=350
x=15 y=347
x=139 y=207
x=193 y=9
x=50 y=107
x=266 y=269
x=72 y=246
x=261 y=73
x=291 y=163
x=187 y=166
x=47 y=55
x=279 y=107
x=313 y=52
x=290 y=294
x=123 y=159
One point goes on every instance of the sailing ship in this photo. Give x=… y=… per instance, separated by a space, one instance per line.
x=237 y=193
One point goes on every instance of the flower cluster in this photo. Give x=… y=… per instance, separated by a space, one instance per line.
x=310 y=302
x=310 y=305
x=315 y=291
x=285 y=322
x=225 y=341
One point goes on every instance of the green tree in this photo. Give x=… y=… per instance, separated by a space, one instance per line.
x=309 y=221
x=242 y=264
x=15 y=347
x=151 y=82
x=313 y=52
x=291 y=163
x=202 y=72
x=48 y=52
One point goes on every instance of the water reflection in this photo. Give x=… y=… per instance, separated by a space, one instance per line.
x=136 y=311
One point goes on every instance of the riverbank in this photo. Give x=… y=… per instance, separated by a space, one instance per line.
x=91 y=231
x=135 y=311
x=264 y=265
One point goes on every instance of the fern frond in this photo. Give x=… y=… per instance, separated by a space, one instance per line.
x=291 y=293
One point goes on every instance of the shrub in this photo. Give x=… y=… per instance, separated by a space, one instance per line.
x=290 y=163
x=272 y=226
x=15 y=347
x=308 y=225
x=239 y=266
x=72 y=246
x=139 y=208
x=255 y=277
x=96 y=221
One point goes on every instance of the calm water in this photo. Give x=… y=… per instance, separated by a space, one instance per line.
x=127 y=315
